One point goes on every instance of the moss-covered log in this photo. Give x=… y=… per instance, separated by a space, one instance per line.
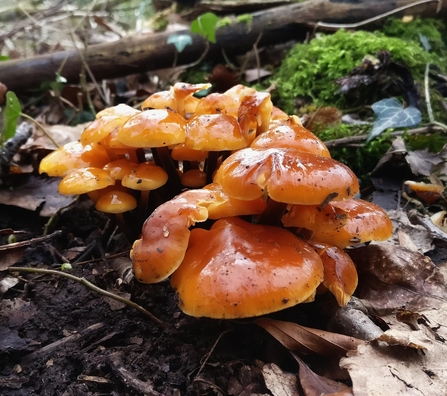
x=144 y=53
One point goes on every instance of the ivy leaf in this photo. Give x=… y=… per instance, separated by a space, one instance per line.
x=205 y=25
x=10 y=116
x=391 y=114
x=180 y=41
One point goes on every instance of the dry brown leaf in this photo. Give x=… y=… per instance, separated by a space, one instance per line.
x=278 y=382
x=397 y=371
x=61 y=134
x=411 y=339
x=316 y=385
x=34 y=193
x=393 y=277
x=307 y=340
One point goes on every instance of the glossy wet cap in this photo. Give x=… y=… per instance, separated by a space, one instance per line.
x=238 y=269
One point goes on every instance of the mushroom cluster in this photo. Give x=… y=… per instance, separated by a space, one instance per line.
x=248 y=212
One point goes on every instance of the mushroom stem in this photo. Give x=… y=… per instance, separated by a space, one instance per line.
x=273 y=213
x=211 y=165
x=162 y=157
x=144 y=204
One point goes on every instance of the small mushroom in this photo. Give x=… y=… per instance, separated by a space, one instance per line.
x=214 y=133
x=165 y=235
x=217 y=103
x=72 y=156
x=364 y=222
x=156 y=129
x=238 y=270
x=145 y=178
x=84 y=180
x=254 y=114
x=106 y=121
x=340 y=274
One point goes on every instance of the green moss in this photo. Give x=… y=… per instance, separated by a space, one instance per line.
x=245 y=18
x=432 y=29
x=222 y=22
x=310 y=70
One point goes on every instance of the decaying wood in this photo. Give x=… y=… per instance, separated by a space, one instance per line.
x=144 y=53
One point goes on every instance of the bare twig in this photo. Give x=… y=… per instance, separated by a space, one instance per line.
x=427 y=95
x=91 y=286
x=356 y=25
x=40 y=126
x=351 y=140
x=47 y=349
x=207 y=356
x=128 y=378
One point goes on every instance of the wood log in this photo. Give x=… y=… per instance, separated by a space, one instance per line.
x=144 y=53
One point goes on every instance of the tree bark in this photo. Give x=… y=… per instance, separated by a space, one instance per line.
x=144 y=53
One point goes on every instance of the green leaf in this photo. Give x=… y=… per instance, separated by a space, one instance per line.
x=180 y=41
x=205 y=25
x=10 y=116
x=391 y=114
x=4 y=58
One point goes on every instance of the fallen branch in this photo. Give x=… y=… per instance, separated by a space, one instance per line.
x=356 y=140
x=91 y=286
x=143 y=53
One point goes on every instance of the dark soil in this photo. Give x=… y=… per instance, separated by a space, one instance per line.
x=57 y=337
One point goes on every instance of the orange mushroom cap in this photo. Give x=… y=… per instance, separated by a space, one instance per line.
x=106 y=121
x=153 y=128
x=120 y=110
x=84 y=180
x=186 y=103
x=287 y=175
x=217 y=103
x=291 y=135
x=116 y=201
x=254 y=114
x=313 y=217
x=238 y=269
x=147 y=176
x=165 y=235
x=193 y=178
x=72 y=156
x=120 y=168
x=340 y=273
x=364 y=222
x=160 y=100
x=214 y=132
x=226 y=206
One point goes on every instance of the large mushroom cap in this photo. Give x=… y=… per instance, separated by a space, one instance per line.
x=153 y=128
x=360 y=222
x=287 y=175
x=238 y=270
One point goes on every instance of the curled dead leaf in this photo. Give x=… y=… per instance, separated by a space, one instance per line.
x=306 y=340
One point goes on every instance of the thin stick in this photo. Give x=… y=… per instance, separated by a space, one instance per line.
x=207 y=356
x=346 y=141
x=91 y=286
x=427 y=95
x=377 y=17
x=40 y=126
